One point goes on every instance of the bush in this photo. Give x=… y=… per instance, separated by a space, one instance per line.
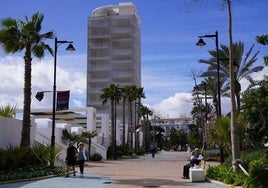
x=254 y=161
x=27 y=173
x=140 y=151
x=124 y=150
x=96 y=157
x=21 y=163
x=257 y=173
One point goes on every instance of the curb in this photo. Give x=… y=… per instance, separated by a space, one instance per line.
x=222 y=184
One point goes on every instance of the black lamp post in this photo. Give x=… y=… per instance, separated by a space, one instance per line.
x=69 y=48
x=202 y=43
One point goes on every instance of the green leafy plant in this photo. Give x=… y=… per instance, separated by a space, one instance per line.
x=96 y=157
x=8 y=110
x=14 y=155
x=257 y=174
x=53 y=154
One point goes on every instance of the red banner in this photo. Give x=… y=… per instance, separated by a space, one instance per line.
x=63 y=100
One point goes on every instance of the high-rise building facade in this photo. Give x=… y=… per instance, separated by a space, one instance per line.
x=113 y=51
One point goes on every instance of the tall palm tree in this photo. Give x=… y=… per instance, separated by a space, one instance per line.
x=139 y=95
x=130 y=97
x=124 y=98
x=145 y=112
x=15 y=36
x=244 y=67
x=112 y=93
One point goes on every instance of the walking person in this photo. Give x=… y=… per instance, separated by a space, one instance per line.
x=81 y=157
x=153 y=150
x=194 y=160
x=71 y=156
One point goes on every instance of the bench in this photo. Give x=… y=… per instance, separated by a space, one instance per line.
x=197 y=173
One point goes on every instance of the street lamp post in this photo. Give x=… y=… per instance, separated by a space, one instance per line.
x=202 y=43
x=69 y=48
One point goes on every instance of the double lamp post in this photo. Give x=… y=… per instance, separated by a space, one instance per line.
x=40 y=95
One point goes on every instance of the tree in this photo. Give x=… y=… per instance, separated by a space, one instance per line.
x=244 y=65
x=124 y=98
x=139 y=95
x=86 y=137
x=263 y=39
x=233 y=122
x=255 y=110
x=145 y=112
x=112 y=93
x=15 y=36
x=66 y=136
x=130 y=93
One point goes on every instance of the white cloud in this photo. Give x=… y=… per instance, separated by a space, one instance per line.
x=169 y=97
x=12 y=81
x=176 y=106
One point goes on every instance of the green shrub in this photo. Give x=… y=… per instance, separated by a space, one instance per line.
x=96 y=157
x=14 y=156
x=255 y=163
x=258 y=174
x=124 y=150
x=223 y=174
x=140 y=151
x=27 y=173
x=249 y=155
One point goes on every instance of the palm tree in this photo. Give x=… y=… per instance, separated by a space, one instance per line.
x=88 y=135
x=263 y=39
x=243 y=64
x=112 y=93
x=16 y=36
x=130 y=97
x=145 y=112
x=234 y=119
x=139 y=95
x=124 y=98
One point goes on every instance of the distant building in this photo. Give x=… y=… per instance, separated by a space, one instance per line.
x=113 y=52
x=173 y=123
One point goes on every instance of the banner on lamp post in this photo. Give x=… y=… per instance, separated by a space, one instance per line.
x=63 y=100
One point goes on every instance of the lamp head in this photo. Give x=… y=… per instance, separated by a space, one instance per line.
x=39 y=96
x=200 y=42
x=70 y=47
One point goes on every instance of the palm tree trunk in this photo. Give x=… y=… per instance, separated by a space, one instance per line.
x=124 y=121
x=26 y=127
x=112 y=127
x=234 y=124
x=89 y=145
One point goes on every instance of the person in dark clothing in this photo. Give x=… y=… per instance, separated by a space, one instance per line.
x=71 y=156
x=153 y=150
x=195 y=160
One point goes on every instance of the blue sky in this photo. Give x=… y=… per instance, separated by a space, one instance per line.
x=169 y=31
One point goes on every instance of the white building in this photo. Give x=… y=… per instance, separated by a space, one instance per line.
x=113 y=52
x=173 y=123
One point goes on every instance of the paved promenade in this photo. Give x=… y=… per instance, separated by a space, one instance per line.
x=164 y=171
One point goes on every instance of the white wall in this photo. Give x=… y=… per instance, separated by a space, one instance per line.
x=11 y=132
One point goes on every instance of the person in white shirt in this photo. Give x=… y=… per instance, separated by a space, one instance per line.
x=194 y=160
x=81 y=158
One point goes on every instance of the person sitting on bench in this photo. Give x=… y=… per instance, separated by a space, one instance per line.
x=194 y=160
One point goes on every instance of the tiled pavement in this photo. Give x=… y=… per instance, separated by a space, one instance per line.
x=164 y=171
